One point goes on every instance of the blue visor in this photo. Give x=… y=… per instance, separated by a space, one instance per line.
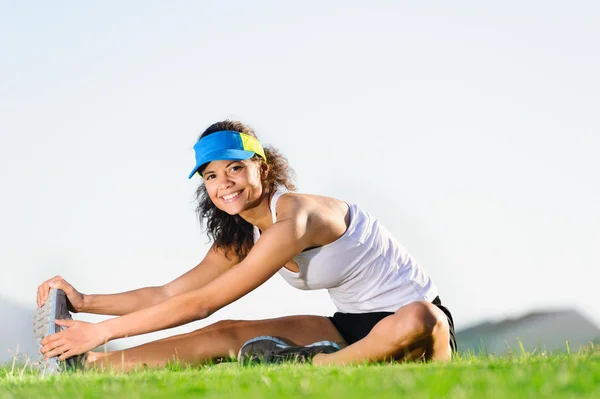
x=226 y=145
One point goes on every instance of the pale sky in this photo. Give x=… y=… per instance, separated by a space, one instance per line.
x=470 y=129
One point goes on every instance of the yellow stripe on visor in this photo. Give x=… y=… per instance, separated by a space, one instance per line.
x=252 y=144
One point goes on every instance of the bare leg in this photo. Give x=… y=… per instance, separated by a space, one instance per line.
x=219 y=340
x=416 y=331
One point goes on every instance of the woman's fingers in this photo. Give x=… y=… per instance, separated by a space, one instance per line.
x=55 y=352
x=65 y=323
x=39 y=297
x=51 y=338
x=48 y=349
x=59 y=335
x=62 y=285
x=52 y=345
x=66 y=355
x=44 y=290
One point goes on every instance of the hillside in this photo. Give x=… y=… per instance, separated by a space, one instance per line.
x=541 y=330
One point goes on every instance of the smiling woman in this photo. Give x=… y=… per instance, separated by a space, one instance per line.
x=229 y=231
x=388 y=307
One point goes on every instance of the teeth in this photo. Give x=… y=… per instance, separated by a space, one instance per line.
x=230 y=196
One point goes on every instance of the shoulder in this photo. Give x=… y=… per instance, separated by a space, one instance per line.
x=307 y=207
x=320 y=219
x=291 y=205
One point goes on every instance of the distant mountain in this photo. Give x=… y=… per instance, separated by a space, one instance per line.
x=546 y=331
x=16 y=331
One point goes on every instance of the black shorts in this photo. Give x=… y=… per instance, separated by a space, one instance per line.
x=355 y=326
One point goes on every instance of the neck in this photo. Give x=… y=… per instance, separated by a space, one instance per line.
x=260 y=214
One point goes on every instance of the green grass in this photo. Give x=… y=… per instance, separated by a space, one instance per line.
x=522 y=376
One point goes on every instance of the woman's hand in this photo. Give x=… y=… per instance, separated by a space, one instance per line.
x=76 y=299
x=78 y=338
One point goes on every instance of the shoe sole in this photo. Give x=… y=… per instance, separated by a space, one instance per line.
x=54 y=308
x=278 y=342
x=281 y=344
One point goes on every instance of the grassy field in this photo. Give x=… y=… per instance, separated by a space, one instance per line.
x=523 y=376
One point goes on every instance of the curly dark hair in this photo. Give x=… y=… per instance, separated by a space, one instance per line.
x=232 y=232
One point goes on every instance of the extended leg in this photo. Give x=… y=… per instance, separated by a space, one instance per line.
x=219 y=340
x=416 y=331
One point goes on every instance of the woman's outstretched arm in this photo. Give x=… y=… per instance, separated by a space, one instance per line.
x=213 y=265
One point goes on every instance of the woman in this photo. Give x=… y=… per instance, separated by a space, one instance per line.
x=387 y=306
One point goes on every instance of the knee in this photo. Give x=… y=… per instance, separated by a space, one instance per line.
x=423 y=318
x=223 y=324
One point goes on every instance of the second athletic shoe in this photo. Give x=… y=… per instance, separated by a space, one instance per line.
x=55 y=308
x=268 y=349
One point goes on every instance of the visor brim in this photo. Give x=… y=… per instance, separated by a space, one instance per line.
x=221 y=155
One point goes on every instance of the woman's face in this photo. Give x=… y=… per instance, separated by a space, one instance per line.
x=234 y=186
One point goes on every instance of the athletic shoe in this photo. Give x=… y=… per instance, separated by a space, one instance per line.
x=275 y=350
x=55 y=308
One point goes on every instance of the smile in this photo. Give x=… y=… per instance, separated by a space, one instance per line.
x=231 y=197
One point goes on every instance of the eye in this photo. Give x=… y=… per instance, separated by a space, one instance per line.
x=209 y=177
x=236 y=168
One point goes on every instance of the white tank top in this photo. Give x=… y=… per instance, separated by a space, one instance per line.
x=365 y=270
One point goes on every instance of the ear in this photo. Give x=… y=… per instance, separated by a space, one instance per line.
x=264 y=170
